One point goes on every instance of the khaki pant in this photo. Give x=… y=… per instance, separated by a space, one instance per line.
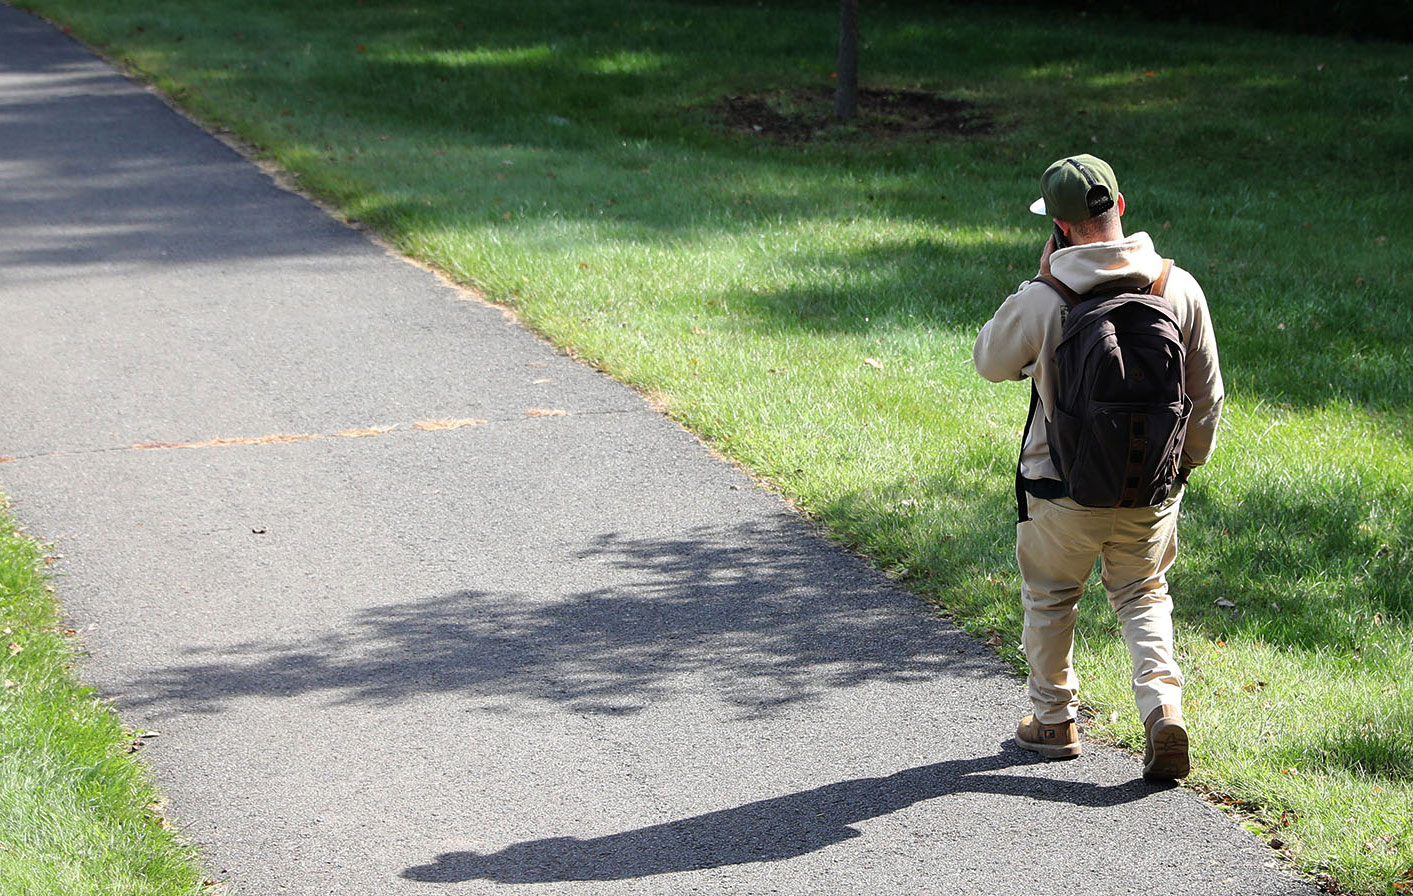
x=1056 y=549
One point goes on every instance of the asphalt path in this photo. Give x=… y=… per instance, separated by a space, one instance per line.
x=418 y=605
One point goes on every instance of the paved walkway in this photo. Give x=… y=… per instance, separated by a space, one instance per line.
x=404 y=632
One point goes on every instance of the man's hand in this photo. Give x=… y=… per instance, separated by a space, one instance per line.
x=1045 y=255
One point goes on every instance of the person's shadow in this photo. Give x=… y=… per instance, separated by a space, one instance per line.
x=782 y=827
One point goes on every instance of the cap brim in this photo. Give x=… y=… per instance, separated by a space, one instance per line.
x=1038 y=207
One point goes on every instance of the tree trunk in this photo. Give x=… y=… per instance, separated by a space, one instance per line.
x=846 y=93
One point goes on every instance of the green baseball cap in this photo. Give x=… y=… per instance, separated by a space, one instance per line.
x=1076 y=189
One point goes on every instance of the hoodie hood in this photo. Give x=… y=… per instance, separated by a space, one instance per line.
x=1129 y=262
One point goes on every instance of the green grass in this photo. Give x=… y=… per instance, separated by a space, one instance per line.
x=810 y=309
x=78 y=815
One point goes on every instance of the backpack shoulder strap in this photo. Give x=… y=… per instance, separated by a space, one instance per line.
x=1022 y=511
x=1162 y=282
x=1051 y=488
x=1070 y=296
x=1071 y=299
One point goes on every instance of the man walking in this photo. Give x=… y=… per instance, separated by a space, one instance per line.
x=1059 y=539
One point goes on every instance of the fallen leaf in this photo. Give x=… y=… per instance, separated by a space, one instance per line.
x=874 y=362
x=1224 y=603
x=15 y=648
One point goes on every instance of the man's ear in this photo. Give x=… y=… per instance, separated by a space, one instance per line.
x=1121 y=205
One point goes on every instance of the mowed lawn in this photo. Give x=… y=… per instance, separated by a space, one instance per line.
x=805 y=297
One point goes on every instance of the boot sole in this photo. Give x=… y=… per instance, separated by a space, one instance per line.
x=1170 y=761
x=1051 y=751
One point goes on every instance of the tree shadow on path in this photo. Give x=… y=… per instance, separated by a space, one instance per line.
x=782 y=827
x=762 y=616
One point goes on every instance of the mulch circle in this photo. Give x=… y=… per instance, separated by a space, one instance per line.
x=802 y=116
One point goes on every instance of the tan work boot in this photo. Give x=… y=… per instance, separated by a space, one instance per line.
x=1165 y=749
x=1051 y=741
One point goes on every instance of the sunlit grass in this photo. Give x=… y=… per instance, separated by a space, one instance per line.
x=533 y=55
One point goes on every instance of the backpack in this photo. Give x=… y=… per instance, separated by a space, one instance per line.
x=1121 y=407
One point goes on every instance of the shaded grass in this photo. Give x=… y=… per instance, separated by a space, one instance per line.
x=810 y=309
x=77 y=812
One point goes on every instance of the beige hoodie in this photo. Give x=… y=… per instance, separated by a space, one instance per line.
x=1019 y=341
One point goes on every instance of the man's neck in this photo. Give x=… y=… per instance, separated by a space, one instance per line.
x=1112 y=236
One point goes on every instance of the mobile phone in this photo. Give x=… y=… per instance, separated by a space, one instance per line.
x=1060 y=238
